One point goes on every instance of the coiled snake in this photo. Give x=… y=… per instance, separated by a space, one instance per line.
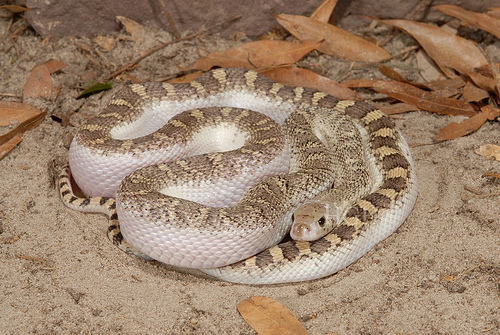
x=241 y=176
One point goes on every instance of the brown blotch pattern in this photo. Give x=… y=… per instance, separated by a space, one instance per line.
x=264 y=258
x=358 y=212
x=344 y=232
x=378 y=200
x=320 y=246
x=290 y=250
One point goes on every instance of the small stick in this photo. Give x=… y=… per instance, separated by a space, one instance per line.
x=161 y=46
x=169 y=18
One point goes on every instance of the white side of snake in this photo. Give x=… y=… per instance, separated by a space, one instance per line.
x=117 y=142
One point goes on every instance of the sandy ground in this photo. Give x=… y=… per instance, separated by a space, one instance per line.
x=59 y=274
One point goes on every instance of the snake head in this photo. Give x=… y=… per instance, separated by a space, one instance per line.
x=312 y=221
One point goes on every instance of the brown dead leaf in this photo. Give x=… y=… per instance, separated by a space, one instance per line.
x=473 y=93
x=425 y=100
x=268 y=317
x=422 y=99
x=135 y=29
x=484 y=82
x=23 y=117
x=305 y=78
x=335 y=41
x=490 y=151
x=38 y=84
x=491 y=112
x=324 y=11
x=259 y=55
x=107 y=43
x=394 y=75
x=458 y=129
x=54 y=65
x=450 y=52
x=15 y=8
x=495 y=12
x=398 y=108
x=428 y=68
x=453 y=83
x=482 y=21
x=391 y=73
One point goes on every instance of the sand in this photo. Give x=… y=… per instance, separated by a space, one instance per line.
x=439 y=273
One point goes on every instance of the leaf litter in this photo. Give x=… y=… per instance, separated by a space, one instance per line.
x=473 y=75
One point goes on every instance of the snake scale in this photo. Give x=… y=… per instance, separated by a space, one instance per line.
x=244 y=173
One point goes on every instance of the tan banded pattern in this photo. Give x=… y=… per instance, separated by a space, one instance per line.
x=395 y=195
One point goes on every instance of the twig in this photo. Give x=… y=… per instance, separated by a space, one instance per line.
x=169 y=18
x=161 y=46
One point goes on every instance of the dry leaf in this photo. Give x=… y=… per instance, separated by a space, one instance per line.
x=489 y=151
x=495 y=12
x=474 y=93
x=491 y=112
x=458 y=129
x=446 y=49
x=425 y=100
x=336 y=42
x=482 y=21
x=38 y=84
x=305 y=78
x=9 y=143
x=398 y=108
x=394 y=75
x=267 y=317
x=324 y=11
x=15 y=8
x=54 y=65
x=422 y=99
x=391 y=73
x=24 y=117
x=135 y=29
x=259 y=55
x=107 y=43
x=453 y=83
x=428 y=69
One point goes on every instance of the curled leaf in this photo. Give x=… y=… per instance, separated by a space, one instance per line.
x=450 y=52
x=457 y=129
x=417 y=97
x=306 y=78
x=23 y=116
x=335 y=41
x=15 y=8
x=490 y=151
x=135 y=29
x=482 y=21
x=259 y=55
x=54 y=65
x=267 y=317
x=324 y=11
x=38 y=84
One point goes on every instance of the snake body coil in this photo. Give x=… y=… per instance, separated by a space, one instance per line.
x=136 y=150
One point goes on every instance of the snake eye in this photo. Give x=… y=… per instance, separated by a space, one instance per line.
x=321 y=221
x=293 y=217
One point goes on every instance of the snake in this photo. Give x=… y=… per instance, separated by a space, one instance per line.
x=211 y=174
